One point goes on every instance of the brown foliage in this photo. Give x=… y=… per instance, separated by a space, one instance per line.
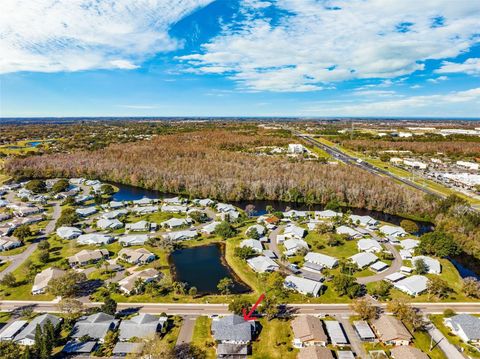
x=215 y=164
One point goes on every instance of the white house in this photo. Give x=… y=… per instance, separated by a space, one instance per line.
x=327 y=214
x=27 y=335
x=321 y=259
x=127 y=284
x=109 y=224
x=364 y=221
x=176 y=222
x=174 y=209
x=85 y=212
x=9 y=243
x=296 y=148
x=256 y=227
x=68 y=232
x=302 y=285
x=262 y=264
x=350 y=232
x=181 y=235
x=94 y=239
x=114 y=214
x=254 y=244
x=433 y=264
x=136 y=256
x=133 y=240
x=40 y=283
x=145 y=210
x=292 y=214
x=393 y=231
x=465 y=326
x=363 y=259
x=210 y=227
x=140 y=226
x=293 y=231
x=369 y=245
x=293 y=245
x=409 y=244
x=414 y=285
x=143 y=202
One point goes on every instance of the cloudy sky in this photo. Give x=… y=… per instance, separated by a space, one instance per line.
x=240 y=58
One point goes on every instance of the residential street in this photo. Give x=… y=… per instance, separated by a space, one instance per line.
x=395 y=267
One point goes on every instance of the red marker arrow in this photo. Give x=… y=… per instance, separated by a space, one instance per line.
x=248 y=317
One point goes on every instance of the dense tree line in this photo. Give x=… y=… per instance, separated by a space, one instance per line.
x=198 y=164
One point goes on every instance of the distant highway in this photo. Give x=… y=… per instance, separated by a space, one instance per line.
x=345 y=158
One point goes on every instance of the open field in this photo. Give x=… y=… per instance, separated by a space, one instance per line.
x=274 y=341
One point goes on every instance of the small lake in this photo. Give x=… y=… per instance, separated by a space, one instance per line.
x=203 y=267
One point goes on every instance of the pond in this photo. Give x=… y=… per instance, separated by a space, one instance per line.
x=131 y=193
x=203 y=267
x=34 y=143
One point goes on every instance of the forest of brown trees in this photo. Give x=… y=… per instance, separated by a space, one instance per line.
x=215 y=163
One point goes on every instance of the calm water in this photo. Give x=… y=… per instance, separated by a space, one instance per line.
x=130 y=193
x=33 y=143
x=202 y=268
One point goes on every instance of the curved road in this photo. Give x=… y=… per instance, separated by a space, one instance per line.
x=395 y=267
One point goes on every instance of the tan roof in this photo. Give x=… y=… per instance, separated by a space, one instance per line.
x=315 y=352
x=308 y=328
x=390 y=328
x=43 y=278
x=407 y=352
x=134 y=255
x=128 y=283
x=88 y=255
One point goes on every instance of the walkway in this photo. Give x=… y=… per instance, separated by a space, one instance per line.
x=186 y=331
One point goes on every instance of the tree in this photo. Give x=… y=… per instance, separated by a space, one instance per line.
x=250 y=210
x=45 y=340
x=156 y=348
x=447 y=313
x=438 y=287
x=347 y=285
x=406 y=314
x=323 y=227
x=68 y=217
x=225 y=230
x=109 y=341
x=9 y=280
x=471 y=287
x=253 y=233
x=179 y=288
x=198 y=216
x=364 y=308
x=381 y=290
x=60 y=186
x=107 y=189
x=270 y=307
x=109 y=306
x=9 y=350
x=269 y=209
x=36 y=186
x=333 y=205
x=409 y=226
x=43 y=245
x=44 y=256
x=238 y=304
x=68 y=285
x=187 y=350
x=274 y=285
x=192 y=292
x=421 y=267
x=73 y=308
x=22 y=232
x=334 y=239
x=244 y=252
x=225 y=286
x=438 y=243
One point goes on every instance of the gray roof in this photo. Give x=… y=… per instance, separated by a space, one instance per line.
x=232 y=328
x=29 y=331
x=141 y=326
x=335 y=332
x=232 y=349
x=95 y=326
x=468 y=323
x=128 y=348
x=363 y=329
x=345 y=354
x=79 y=347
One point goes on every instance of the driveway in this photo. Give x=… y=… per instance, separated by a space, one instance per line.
x=355 y=342
x=395 y=267
x=451 y=352
x=186 y=331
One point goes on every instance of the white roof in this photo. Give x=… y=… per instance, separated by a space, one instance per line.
x=262 y=264
x=210 y=228
x=378 y=266
x=406 y=269
x=68 y=232
x=256 y=245
x=294 y=213
x=295 y=244
x=433 y=264
x=176 y=236
x=109 y=223
x=138 y=226
x=260 y=229
x=174 y=208
x=413 y=285
x=327 y=214
x=364 y=259
x=10 y=331
x=175 y=222
x=224 y=207
x=363 y=220
x=409 y=243
x=369 y=245
x=294 y=230
x=348 y=231
x=335 y=332
x=396 y=276
x=133 y=239
x=392 y=230
x=322 y=259
x=86 y=211
x=94 y=238
x=302 y=285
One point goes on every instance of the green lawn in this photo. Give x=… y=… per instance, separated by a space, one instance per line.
x=422 y=341
x=202 y=337
x=437 y=320
x=274 y=341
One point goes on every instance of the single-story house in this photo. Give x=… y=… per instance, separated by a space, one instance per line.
x=391 y=331
x=94 y=239
x=378 y=266
x=143 y=202
x=293 y=245
x=127 y=284
x=414 y=285
x=407 y=352
x=434 y=266
x=295 y=214
x=136 y=256
x=181 y=235
x=174 y=200
x=345 y=354
x=365 y=333
x=302 y=285
x=232 y=351
x=406 y=254
x=142 y=326
x=83 y=198
x=205 y=202
x=254 y=244
x=122 y=349
x=328 y=214
x=321 y=259
x=145 y=210
x=393 y=231
x=27 y=335
x=176 y=222
x=85 y=212
x=369 y=245
x=405 y=269
x=115 y=214
x=133 y=239
x=262 y=264
x=79 y=348
x=10 y=331
x=174 y=209
x=465 y=326
x=225 y=207
x=315 y=352
x=86 y=256
x=116 y=204
x=9 y=243
x=109 y=224
x=261 y=230
x=40 y=283
x=308 y=331
x=409 y=243
x=348 y=231
x=363 y=259
x=94 y=326
x=232 y=329
x=210 y=227
x=294 y=232
x=395 y=277
x=335 y=332
x=68 y=232
x=231 y=216
x=364 y=221
x=140 y=226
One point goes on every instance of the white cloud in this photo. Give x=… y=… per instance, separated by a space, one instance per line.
x=320 y=42
x=72 y=35
x=470 y=67
x=465 y=103
x=437 y=79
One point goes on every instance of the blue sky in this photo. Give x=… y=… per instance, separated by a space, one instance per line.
x=240 y=58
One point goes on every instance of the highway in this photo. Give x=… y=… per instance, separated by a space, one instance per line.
x=220 y=309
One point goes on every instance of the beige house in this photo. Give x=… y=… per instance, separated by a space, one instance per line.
x=308 y=331
x=314 y=352
x=42 y=279
x=391 y=331
x=127 y=284
x=87 y=256
x=407 y=352
x=136 y=256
